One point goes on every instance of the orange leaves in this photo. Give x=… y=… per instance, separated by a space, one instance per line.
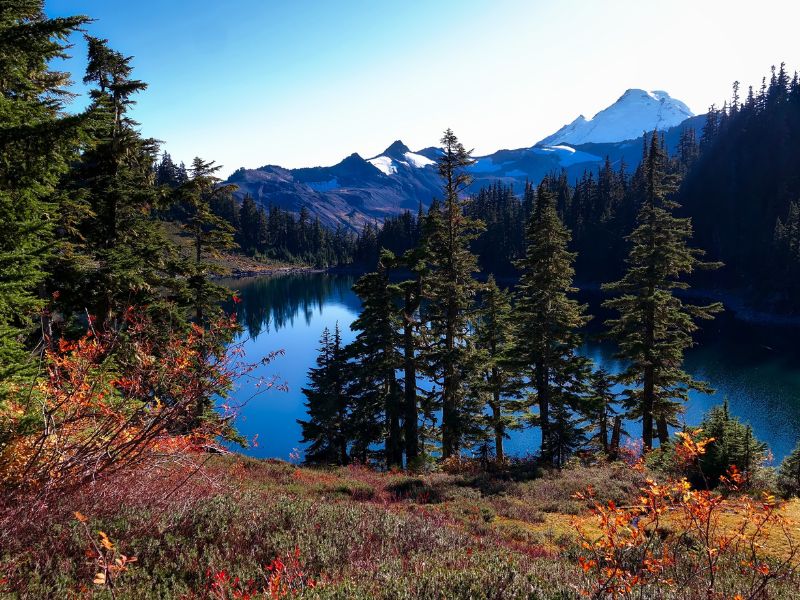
x=637 y=545
x=105 y=556
x=587 y=564
x=690 y=447
x=114 y=398
x=104 y=541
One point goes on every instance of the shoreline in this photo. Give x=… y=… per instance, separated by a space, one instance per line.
x=734 y=303
x=268 y=272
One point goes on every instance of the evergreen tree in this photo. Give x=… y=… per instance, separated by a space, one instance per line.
x=36 y=143
x=548 y=320
x=733 y=444
x=449 y=289
x=249 y=224
x=654 y=326
x=375 y=392
x=603 y=420
x=209 y=232
x=326 y=430
x=168 y=173
x=498 y=381
x=410 y=291
x=118 y=256
x=789 y=474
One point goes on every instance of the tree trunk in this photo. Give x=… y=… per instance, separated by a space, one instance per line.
x=649 y=390
x=499 y=430
x=604 y=430
x=616 y=434
x=450 y=444
x=394 y=449
x=647 y=408
x=410 y=372
x=543 y=395
x=663 y=430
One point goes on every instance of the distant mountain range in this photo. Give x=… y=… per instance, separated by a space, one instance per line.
x=358 y=190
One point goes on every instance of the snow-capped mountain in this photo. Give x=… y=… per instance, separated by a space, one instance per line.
x=634 y=113
x=398 y=156
x=358 y=190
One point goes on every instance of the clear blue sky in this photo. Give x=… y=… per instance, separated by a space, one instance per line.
x=306 y=82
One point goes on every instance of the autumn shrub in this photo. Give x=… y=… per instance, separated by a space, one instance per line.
x=731 y=444
x=556 y=490
x=114 y=399
x=676 y=540
x=413 y=488
x=357 y=490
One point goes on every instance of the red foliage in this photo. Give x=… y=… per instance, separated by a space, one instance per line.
x=116 y=398
x=642 y=549
x=285 y=578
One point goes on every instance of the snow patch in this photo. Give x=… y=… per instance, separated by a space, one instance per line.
x=384 y=164
x=417 y=160
x=566 y=155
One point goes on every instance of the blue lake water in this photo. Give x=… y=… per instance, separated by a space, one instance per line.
x=757 y=368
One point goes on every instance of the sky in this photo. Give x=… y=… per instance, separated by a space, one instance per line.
x=307 y=82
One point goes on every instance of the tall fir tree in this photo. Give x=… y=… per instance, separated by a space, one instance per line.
x=375 y=391
x=655 y=326
x=410 y=292
x=37 y=143
x=449 y=289
x=209 y=232
x=547 y=337
x=119 y=256
x=498 y=382
x=327 y=428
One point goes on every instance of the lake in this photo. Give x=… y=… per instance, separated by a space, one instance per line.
x=754 y=366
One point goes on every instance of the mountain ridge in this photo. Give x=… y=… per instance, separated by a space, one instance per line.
x=359 y=190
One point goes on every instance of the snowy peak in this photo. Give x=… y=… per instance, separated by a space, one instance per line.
x=634 y=113
x=398 y=156
x=396 y=150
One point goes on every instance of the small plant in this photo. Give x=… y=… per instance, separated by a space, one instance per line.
x=285 y=578
x=111 y=563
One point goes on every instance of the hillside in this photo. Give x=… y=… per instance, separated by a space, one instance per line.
x=250 y=529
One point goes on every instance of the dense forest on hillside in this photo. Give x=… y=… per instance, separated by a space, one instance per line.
x=738 y=183
x=727 y=180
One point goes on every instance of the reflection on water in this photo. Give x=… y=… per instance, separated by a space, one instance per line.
x=756 y=368
x=276 y=302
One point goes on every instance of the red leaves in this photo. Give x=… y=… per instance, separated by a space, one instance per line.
x=285 y=579
x=628 y=555
x=115 y=397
